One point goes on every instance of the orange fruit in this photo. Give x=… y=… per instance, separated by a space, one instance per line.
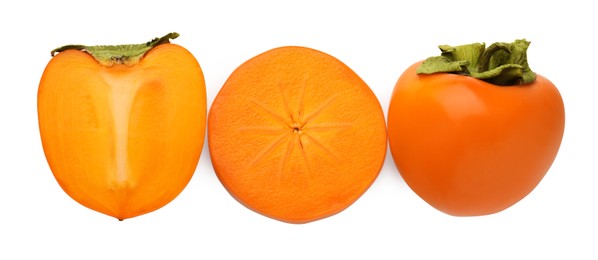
x=296 y=135
x=123 y=133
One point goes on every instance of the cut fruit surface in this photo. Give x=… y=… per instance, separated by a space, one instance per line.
x=296 y=135
x=123 y=140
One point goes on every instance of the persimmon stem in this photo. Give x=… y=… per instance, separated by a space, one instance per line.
x=127 y=54
x=503 y=64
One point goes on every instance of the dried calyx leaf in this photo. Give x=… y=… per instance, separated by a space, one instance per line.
x=128 y=54
x=503 y=64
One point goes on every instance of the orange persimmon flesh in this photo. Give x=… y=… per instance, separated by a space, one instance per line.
x=123 y=140
x=296 y=135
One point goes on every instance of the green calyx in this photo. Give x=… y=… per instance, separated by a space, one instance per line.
x=503 y=64
x=127 y=54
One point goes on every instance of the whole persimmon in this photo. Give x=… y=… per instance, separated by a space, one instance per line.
x=473 y=131
x=122 y=127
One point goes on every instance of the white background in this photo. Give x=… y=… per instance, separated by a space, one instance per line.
x=378 y=40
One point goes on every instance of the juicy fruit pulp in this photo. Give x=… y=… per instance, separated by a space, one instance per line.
x=123 y=140
x=295 y=135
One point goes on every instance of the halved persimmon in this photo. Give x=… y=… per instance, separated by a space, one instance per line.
x=122 y=127
x=296 y=135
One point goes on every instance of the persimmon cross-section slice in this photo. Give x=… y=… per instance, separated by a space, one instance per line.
x=296 y=135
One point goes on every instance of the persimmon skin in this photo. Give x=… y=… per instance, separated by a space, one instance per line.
x=468 y=147
x=123 y=140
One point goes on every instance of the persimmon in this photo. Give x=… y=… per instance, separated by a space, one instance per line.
x=294 y=134
x=474 y=131
x=122 y=127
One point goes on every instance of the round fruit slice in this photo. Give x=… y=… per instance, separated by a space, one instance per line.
x=296 y=135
